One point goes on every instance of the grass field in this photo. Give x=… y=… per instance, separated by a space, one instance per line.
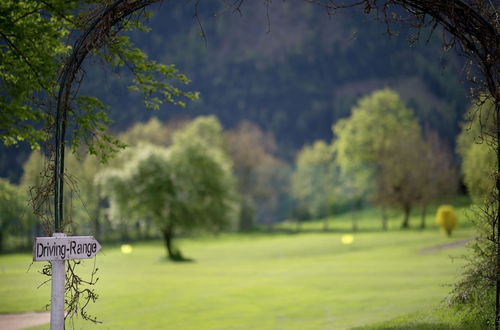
x=277 y=280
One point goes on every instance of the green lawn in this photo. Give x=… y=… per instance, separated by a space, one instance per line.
x=430 y=319
x=279 y=280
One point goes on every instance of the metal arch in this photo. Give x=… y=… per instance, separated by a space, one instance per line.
x=78 y=55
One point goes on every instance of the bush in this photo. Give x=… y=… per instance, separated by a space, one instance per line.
x=446 y=218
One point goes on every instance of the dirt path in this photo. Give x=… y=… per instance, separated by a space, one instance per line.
x=435 y=248
x=22 y=321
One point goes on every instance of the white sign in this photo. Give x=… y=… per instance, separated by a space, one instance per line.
x=65 y=248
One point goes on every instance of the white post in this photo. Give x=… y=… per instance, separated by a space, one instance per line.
x=57 y=296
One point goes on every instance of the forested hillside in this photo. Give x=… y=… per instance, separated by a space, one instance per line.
x=293 y=69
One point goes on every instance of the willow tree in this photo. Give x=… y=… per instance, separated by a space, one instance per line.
x=184 y=188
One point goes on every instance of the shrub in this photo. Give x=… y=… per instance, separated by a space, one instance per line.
x=446 y=218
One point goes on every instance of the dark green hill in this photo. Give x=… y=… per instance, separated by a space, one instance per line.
x=294 y=74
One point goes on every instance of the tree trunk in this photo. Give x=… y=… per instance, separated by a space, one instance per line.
x=247 y=215
x=384 y=218
x=138 y=232
x=124 y=232
x=423 y=216
x=97 y=215
x=406 y=219
x=356 y=206
x=97 y=224
x=168 y=237
x=324 y=211
x=147 y=228
x=325 y=224
x=354 y=220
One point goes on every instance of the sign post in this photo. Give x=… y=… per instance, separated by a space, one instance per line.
x=57 y=291
x=57 y=249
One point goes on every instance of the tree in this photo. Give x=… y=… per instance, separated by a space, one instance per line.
x=383 y=144
x=414 y=172
x=364 y=140
x=476 y=146
x=29 y=74
x=82 y=197
x=153 y=132
x=399 y=182
x=477 y=150
x=14 y=214
x=262 y=177
x=439 y=178
x=201 y=165
x=29 y=69
x=33 y=181
x=86 y=195
x=316 y=180
x=186 y=187
x=85 y=117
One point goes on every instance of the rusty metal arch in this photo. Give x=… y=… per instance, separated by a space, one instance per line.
x=94 y=37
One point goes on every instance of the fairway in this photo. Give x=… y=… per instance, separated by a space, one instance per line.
x=257 y=281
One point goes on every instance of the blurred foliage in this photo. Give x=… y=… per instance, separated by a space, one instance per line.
x=475 y=145
x=188 y=186
x=15 y=216
x=401 y=170
x=316 y=181
x=474 y=293
x=364 y=143
x=294 y=81
x=381 y=149
x=82 y=198
x=153 y=132
x=263 y=178
x=28 y=69
x=379 y=156
x=439 y=178
x=30 y=73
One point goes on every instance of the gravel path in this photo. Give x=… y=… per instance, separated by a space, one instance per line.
x=22 y=321
x=435 y=248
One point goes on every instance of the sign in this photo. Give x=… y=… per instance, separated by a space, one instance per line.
x=58 y=249
x=65 y=248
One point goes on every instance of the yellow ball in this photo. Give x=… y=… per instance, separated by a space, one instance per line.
x=126 y=249
x=347 y=239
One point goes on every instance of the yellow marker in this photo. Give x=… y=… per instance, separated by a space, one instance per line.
x=347 y=239
x=126 y=249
